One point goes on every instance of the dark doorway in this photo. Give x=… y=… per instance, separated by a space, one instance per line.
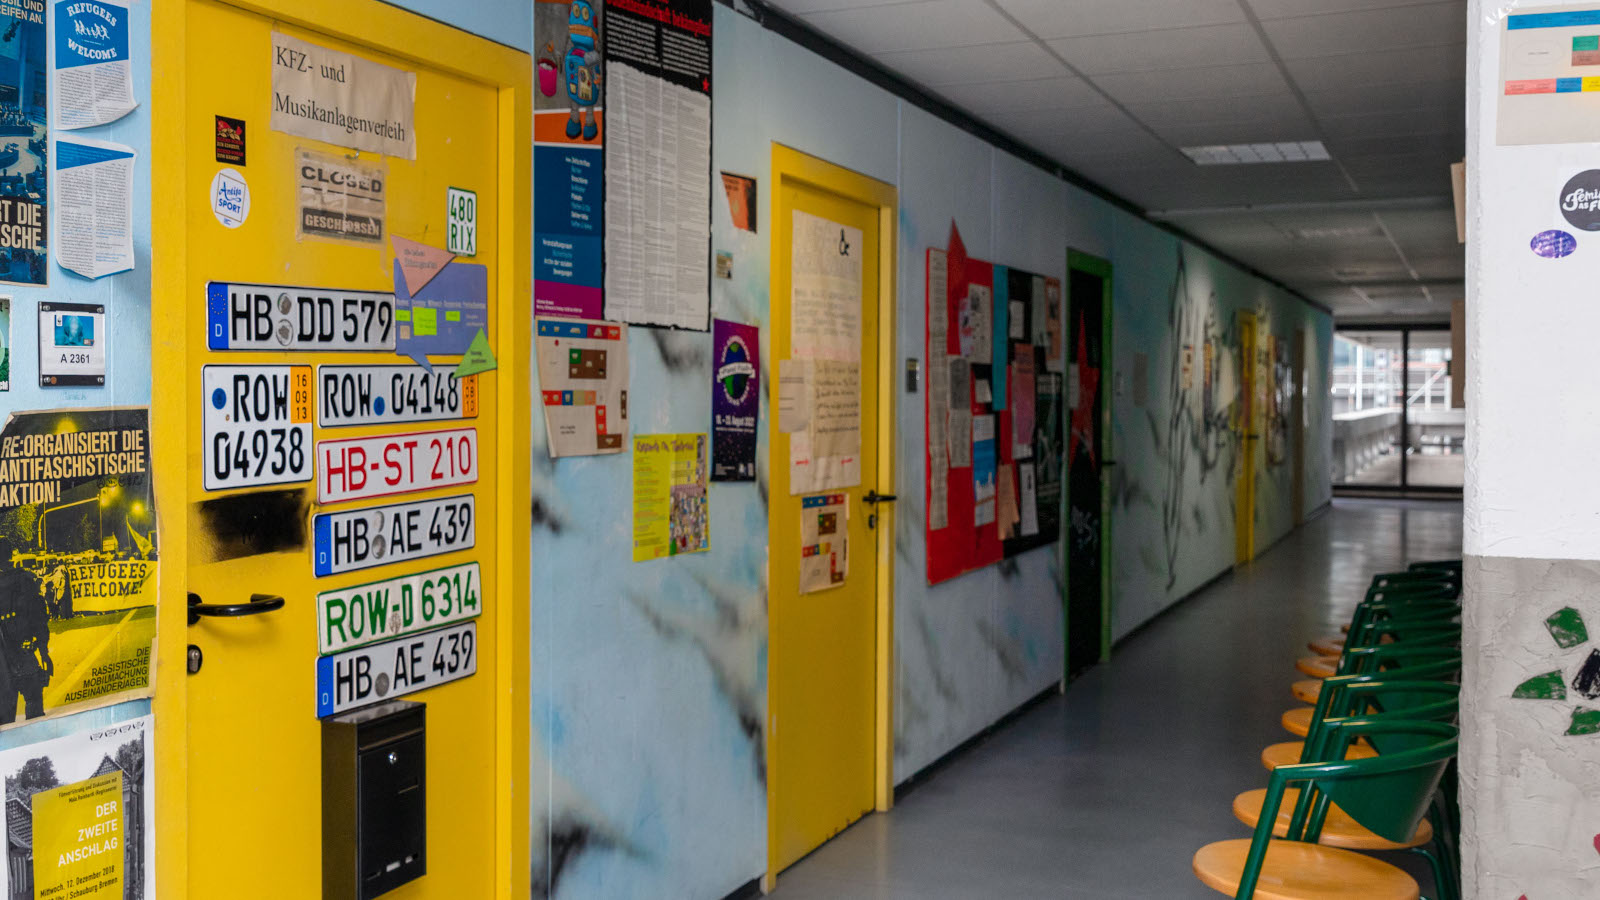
x=1088 y=298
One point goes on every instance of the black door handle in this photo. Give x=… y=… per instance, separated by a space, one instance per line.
x=875 y=498
x=259 y=603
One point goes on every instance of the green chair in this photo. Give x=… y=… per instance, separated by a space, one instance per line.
x=1423 y=660
x=1433 y=625
x=1388 y=795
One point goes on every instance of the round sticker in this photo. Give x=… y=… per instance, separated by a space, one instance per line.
x=1553 y=244
x=1580 y=200
x=230 y=198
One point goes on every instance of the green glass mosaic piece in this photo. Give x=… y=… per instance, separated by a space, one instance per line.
x=1549 y=686
x=1566 y=626
x=1584 y=721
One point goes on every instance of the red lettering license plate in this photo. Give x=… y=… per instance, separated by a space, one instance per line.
x=390 y=464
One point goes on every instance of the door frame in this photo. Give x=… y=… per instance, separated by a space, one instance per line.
x=413 y=37
x=790 y=167
x=1249 y=430
x=1100 y=267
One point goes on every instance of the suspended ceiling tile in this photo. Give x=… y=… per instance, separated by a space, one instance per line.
x=1263 y=109
x=994 y=98
x=1024 y=60
x=1446 y=95
x=1241 y=81
x=919 y=25
x=1424 y=25
x=801 y=7
x=1058 y=18
x=1092 y=129
x=1435 y=121
x=1282 y=9
x=1175 y=48
x=1396 y=70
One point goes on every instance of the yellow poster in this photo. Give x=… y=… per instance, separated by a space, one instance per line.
x=670 y=511
x=78 y=839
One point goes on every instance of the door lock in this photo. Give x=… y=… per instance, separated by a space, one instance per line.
x=259 y=603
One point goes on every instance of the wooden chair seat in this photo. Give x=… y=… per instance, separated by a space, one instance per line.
x=1288 y=753
x=1307 y=689
x=1338 y=829
x=1318 y=666
x=1345 y=628
x=1298 y=720
x=1298 y=871
x=1328 y=646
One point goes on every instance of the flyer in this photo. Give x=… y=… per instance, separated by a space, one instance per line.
x=78 y=530
x=938 y=391
x=72 y=344
x=983 y=470
x=24 y=150
x=94 y=207
x=826 y=453
x=338 y=198
x=658 y=162
x=824 y=541
x=825 y=281
x=1021 y=386
x=93 y=71
x=583 y=385
x=444 y=315
x=735 y=400
x=342 y=99
x=569 y=158
x=5 y=344
x=975 y=319
x=671 y=515
x=80 y=805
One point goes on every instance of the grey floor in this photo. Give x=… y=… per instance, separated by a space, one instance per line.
x=1107 y=791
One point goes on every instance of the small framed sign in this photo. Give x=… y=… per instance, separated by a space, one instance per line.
x=462 y=233
x=72 y=344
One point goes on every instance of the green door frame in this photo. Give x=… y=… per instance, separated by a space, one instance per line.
x=1101 y=268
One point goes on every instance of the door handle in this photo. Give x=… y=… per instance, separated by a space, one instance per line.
x=259 y=603
x=875 y=498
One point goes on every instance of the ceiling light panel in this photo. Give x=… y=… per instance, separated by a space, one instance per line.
x=1253 y=154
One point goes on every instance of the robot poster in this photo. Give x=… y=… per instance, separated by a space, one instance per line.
x=569 y=134
x=77 y=559
x=24 y=137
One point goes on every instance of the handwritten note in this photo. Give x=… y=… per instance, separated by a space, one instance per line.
x=825 y=278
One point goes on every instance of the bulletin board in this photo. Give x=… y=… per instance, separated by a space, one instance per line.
x=994 y=405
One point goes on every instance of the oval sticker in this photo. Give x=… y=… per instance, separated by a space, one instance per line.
x=230 y=198
x=1553 y=244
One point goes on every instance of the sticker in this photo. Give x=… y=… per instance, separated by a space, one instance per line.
x=230 y=198
x=5 y=344
x=395 y=668
x=389 y=464
x=443 y=316
x=461 y=234
x=378 y=395
x=72 y=344
x=1580 y=200
x=280 y=317
x=478 y=358
x=367 y=613
x=338 y=198
x=230 y=140
x=257 y=425
x=1553 y=244
x=724 y=264
x=418 y=261
x=400 y=532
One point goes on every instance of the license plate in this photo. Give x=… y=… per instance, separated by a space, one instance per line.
x=389 y=464
x=379 y=395
x=282 y=317
x=395 y=607
x=395 y=668
x=363 y=538
x=257 y=425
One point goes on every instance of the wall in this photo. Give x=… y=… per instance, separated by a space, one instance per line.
x=1530 y=774
x=649 y=693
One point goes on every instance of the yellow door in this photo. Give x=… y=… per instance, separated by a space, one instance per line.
x=826 y=706
x=1244 y=509
x=415 y=498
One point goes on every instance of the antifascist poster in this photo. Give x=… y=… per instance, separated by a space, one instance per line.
x=735 y=400
x=568 y=159
x=77 y=559
x=80 y=808
x=24 y=155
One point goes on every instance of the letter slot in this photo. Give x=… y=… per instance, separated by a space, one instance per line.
x=374 y=800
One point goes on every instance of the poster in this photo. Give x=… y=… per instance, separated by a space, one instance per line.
x=1028 y=499
x=338 y=198
x=735 y=400
x=1549 y=61
x=671 y=515
x=658 y=162
x=94 y=207
x=72 y=344
x=93 y=70
x=1022 y=401
x=959 y=429
x=5 y=344
x=976 y=324
x=825 y=281
x=583 y=383
x=342 y=99
x=938 y=391
x=78 y=532
x=24 y=154
x=741 y=193
x=445 y=315
x=81 y=807
x=983 y=470
x=824 y=541
x=1055 y=360
x=568 y=158
x=826 y=453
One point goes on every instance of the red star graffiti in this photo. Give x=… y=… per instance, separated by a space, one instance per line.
x=1083 y=413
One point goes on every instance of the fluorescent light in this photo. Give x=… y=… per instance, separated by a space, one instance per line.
x=1247 y=154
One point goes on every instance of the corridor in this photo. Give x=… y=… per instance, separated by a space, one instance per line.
x=1106 y=792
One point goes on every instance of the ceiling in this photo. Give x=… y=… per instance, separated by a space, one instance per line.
x=1113 y=88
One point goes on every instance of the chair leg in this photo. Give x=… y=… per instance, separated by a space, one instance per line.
x=1443 y=887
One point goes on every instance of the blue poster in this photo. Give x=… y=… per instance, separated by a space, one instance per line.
x=735 y=400
x=24 y=157
x=94 y=76
x=568 y=159
x=444 y=315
